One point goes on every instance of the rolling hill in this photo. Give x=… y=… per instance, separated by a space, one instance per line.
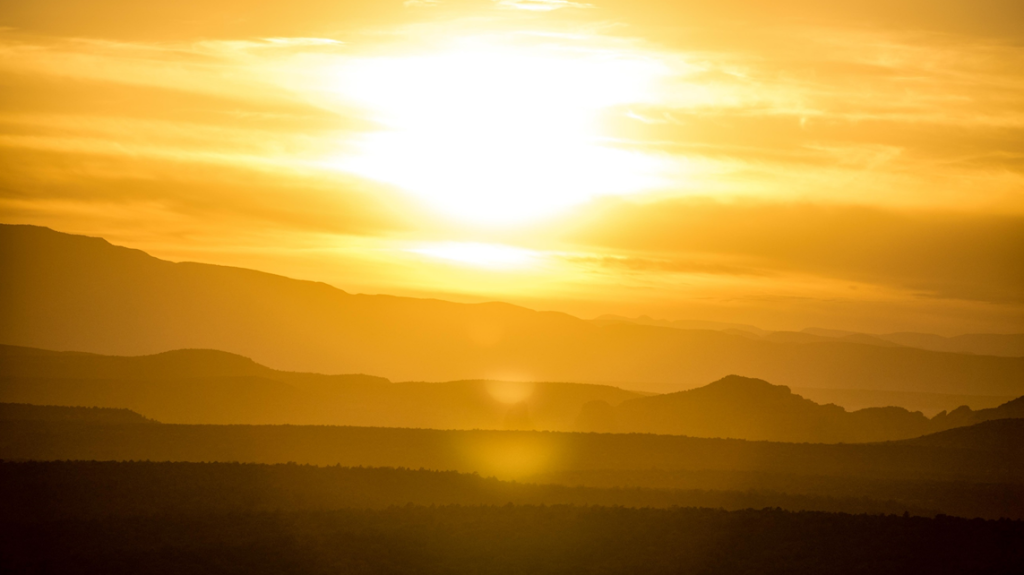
x=213 y=387
x=76 y=293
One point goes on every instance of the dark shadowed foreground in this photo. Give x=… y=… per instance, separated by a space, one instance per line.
x=512 y=539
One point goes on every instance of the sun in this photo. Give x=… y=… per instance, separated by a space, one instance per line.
x=496 y=134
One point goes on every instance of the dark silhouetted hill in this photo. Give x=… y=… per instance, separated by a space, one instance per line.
x=747 y=408
x=963 y=415
x=1005 y=435
x=930 y=404
x=26 y=412
x=205 y=386
x=82 y=294
x=17 y=361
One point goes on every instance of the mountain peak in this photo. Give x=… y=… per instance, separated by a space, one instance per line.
x=750 y=386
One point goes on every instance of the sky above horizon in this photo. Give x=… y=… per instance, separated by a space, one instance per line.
x=853 y=166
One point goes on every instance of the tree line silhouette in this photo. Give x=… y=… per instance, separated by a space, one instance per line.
x=92 y=489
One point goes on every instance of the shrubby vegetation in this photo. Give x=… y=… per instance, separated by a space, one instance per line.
x=28 y=412
x=970 y=472
x=971 y=455
x=84 y=489
x=512 y=539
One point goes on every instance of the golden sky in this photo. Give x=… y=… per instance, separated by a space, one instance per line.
x=786 y=164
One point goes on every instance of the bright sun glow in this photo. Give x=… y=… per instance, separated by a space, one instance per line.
x=499 y=134
x=477 y=254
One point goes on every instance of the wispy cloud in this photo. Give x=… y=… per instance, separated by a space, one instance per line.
x=692 y=265
x=294 y=42
x=949 y=254
x=541 y=5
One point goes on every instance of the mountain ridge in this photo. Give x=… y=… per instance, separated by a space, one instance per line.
x=211 y=387
x=173 y=387
x=753 y=409
x=84 y=294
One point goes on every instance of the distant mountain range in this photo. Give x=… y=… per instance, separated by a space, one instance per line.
x=929 y=404
x=75 y=293
x=747 y=408
x=1005 y=345
x=212 y=387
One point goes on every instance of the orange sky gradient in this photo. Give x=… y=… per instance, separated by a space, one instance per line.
x=856 y=166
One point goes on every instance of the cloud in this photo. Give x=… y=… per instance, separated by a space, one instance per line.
x=540 y=5
x=644 y=265
x=972 y=256
x=177 y=21
x=117 y=192
x=303 y=42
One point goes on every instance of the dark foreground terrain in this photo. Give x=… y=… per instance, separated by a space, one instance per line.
x=969 y=472
x=99 y=489
x=988 y=452
x=510 y=539
x=583 y=503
